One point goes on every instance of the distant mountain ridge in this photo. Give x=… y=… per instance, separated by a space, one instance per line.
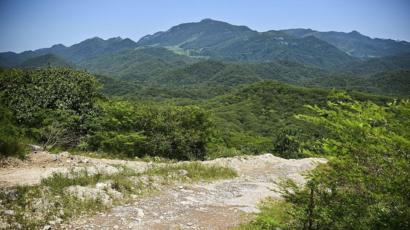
x=76 y=53
x=46 y=60
x=221 y=40
x=356 y=44
x=210 y=53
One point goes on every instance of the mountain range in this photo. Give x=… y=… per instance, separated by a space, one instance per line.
x=236 y=54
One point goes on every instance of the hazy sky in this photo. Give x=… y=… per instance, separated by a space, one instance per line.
x=33 y=24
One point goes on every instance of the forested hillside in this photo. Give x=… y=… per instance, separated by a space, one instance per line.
x=355 y=43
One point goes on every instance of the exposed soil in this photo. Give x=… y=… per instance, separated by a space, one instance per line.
x=43 y=164
x=216 y=205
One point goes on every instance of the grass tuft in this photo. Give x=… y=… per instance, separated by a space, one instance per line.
x=194 y=171
x=274 y=215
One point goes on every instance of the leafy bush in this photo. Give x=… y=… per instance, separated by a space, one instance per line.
x=11 y=143
x=43 y=97
x=365 y=184
x=137 y=130
x=10 y=146
x=287 y=143
x=29 y=94
x=273 y=215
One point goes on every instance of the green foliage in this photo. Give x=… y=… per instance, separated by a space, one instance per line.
x=365 y=184
x=384 y=83
x=354 y=43
x=195 y=171
x=136 y=130
x=250 y=118
x=44 y=97
x=288 y=142
x=273 y=215
x=45 y=61
x=221 y=40
x=31 y=94
x=135 y=64
x=11 y=140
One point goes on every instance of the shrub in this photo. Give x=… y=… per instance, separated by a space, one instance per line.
x=365 y=183
x=175 y=132
x=11 y=143
x=38 y=98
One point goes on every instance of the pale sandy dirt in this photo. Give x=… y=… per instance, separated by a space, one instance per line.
x=220 y=204
x=40 y=164
x=216 y=205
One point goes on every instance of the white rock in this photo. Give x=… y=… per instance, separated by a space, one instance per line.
x=35 y=147
x=59 y=221
x=64 y=154
x=114 y=194
x=84 y=193
x=84 y=161
x=9 y=212
x=140 y=213
x=182 y=172
x=101 y=185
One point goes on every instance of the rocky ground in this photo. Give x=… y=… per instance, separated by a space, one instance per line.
x=220 y=204
x=41 y=164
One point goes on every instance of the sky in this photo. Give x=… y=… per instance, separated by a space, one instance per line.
x=33 y=24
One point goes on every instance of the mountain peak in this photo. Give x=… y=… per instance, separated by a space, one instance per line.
x=58 y=46
x=208 y=20
x=118 y=38
x=355 y=32
x=95 y=39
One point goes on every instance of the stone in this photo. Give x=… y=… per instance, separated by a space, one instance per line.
x=115 y=194
x=84 y=193
x=9 y=212
x=85 y=161
x=182 y=172
x=35 y=148
x=59 y=221
x=64 y=154
x=140 y=213
x=101 y=185
x=61 y=212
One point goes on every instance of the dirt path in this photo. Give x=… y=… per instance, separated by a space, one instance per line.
x=43 y=164
x=217 y=205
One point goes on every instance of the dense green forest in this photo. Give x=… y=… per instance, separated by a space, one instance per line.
x=249 y=119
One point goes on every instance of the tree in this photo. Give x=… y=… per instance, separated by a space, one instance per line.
x=178 y=132
x=41 y=98
x=365 y=184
